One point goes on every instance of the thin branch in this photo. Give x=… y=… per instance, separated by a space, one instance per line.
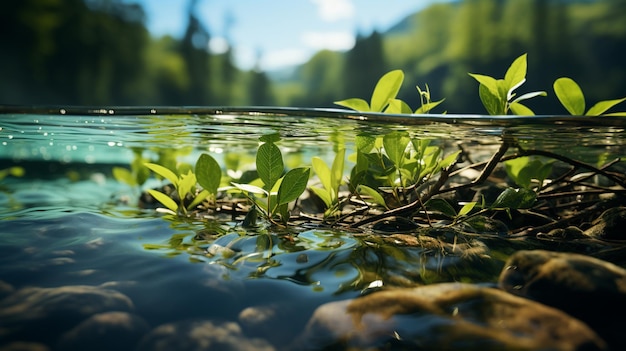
x=436 y=189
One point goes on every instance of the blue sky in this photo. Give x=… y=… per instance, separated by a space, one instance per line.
x=280 y=33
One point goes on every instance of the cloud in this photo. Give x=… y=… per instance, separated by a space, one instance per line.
x=336 y=41
x=334 y=10
x=275 y=59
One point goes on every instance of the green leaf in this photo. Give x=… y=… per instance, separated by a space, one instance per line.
x=520 y=110
x=603 y=106
x=164 y=199
x=199 y=198
x=510 y=93
x=248 y=188
x=398 y=106
x=375 y=195
x=293 y=185
x=440 y=205
x=492 y=102
x=337 y=170
x=379 y=164
x=570 y=95
x=395 y=144
x=449 y=160
x=123 y=175
x=490 y=83
x=516 y=74
x=185 y=184
x=209 y=173
x=283 y=210
x=530 y=96
x=467 y=208
x=322 y=194
x=386 y=89
x=323 y=172
x=428 y=106
x=163 y=172
x=356 y=104
x=514 y=167
x=364 y=143
x=270 y=138
x=512 y=198
x=269 y=164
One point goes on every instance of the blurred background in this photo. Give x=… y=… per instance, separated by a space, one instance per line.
x=304 y=53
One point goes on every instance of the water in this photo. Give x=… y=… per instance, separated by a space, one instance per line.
x=68 y=222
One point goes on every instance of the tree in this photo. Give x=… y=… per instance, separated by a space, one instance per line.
x=364 y=65
x=194 y=50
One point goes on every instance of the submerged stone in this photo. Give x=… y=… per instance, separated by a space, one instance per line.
x=444 y=316
x=105 y=331
x=196 y=335
x=585 y=287
x=42 y=314
x=610 y=225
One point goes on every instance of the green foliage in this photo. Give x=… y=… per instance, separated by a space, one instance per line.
x=498 y=95
x=385 y=91
x=396 y=162
x=185 y=184
x=426 y=103
x=138 y=172
x=572 y=98
x=442 y=206
x=208 y=173
x=278 y=189
x=331 y=179
x=524 y=170
x=384 y=98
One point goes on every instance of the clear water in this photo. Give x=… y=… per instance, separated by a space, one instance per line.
x=67 y=221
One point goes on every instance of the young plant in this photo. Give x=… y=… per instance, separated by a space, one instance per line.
x=207 y=174
x=138 y=172
x=572 y=98
x=331 y=179
x=398 y=163
x=498 y=95
x=383 y=98
x=278 y=190
x=426 y=103
x=526 y=170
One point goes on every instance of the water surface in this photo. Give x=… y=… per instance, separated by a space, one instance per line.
x=68 y=222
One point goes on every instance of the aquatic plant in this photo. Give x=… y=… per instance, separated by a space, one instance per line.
x=208 y=175
x=390 y=168
x=331 y=180
x=572 y=98
x=396 y=175
x=277 y=189
x=384 y=97
x=498 y=95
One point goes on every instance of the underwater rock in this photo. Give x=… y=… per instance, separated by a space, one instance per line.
x=41 y=314
x=5 y=289
x=584 y=287
x=263 y=321
x=450 y=316
x=199 y=335
x=610 y=225
x=105 y=331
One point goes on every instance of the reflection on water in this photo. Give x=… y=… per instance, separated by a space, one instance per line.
x=67 y=222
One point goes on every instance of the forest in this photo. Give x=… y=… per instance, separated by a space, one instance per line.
x=99 y=52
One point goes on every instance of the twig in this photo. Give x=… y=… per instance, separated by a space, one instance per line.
x=436 y=189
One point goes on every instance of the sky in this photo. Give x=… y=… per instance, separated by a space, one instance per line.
x=279 y=33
